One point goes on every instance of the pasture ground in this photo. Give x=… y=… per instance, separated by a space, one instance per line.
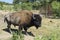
x=48 y=27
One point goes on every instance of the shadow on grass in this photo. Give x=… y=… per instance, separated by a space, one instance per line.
x=29 y=33
x=15 y=30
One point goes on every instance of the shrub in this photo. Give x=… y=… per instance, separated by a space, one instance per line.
x=27 y=6
x=56 y=8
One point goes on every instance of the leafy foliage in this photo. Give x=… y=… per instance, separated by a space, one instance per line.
x=27 y=6
x=56 y=8
x=16 y=2
x=33 y=5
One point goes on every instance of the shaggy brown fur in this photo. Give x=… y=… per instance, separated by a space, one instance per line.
x=24 y=16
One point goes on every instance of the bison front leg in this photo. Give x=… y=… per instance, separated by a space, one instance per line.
x=25 y=28
x=9 y=28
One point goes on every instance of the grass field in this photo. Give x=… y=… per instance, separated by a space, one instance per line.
x=50 y=30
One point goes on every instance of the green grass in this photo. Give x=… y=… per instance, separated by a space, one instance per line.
x=17 y=36
x=53 y=36
x=49 y=30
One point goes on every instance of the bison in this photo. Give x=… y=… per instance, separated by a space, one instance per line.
x=23 y=19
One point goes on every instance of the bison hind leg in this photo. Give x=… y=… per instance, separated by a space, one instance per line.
x=14 y=25
x=9 y=28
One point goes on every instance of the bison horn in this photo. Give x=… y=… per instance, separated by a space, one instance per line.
x=34 y=17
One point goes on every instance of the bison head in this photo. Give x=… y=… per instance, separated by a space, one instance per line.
x=37 y=20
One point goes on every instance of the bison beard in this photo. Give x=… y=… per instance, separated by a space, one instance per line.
x=23 y=19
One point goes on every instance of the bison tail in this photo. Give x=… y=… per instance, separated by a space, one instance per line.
x=5 y=19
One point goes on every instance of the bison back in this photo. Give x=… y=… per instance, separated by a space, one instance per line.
x=22 y=17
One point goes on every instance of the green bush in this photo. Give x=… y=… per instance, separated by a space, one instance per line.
x=7 y=7
x=17 y=7
x=27 y=6
x=23 y=6
x=56 y=8
x=36 y=5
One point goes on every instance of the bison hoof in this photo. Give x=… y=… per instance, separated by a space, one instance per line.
x=9 y=31
x=26 y=33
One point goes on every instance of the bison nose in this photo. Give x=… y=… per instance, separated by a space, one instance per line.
x=36 y=27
